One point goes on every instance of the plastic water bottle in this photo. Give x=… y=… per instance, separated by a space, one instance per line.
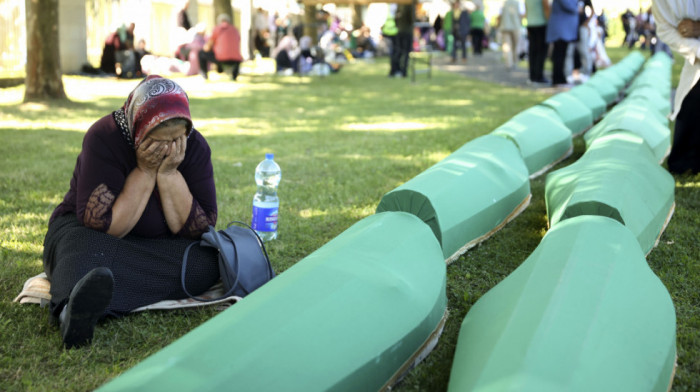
x=265 y=202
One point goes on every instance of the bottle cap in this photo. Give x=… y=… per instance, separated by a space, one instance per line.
x=269 y=156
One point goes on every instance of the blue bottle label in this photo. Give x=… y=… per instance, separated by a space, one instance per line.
x=264 y=219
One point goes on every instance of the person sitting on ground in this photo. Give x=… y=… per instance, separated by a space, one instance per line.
x=262 y=42
x=223 y=47
x=365 y=47
x=306 y=57
x=118 y=55
x=142 y=190
x=189 y=51
x=286 y=54
x=126 y=56
x=139 y=52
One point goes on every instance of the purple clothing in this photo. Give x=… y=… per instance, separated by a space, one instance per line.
x=563 y=21
x=107 y=158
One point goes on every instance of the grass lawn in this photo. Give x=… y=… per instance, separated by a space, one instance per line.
x=342 y=141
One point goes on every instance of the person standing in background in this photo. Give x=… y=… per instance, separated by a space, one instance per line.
x=460 y=31
x=587 y=23
x=678 y=25
x=509 y=24
x=404 y=38
x=478 y=21
x=562 y=29
x=390 y=32
x=439 y=34
x=447 y=28
x=537 y=12
x=625 y=18
x=603 y=23
x=182 y=19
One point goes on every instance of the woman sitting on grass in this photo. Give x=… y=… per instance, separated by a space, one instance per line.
x=142 y=190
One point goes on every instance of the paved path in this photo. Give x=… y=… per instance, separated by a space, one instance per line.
x=491 y=68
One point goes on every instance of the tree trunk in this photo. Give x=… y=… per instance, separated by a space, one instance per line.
x=43 y=80
x=310 y=23
x=356 y=16
x=223 y=7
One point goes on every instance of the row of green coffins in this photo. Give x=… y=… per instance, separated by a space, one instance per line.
x=444 y=197
x=585 y=312
x=644 y=109
x=365 y=307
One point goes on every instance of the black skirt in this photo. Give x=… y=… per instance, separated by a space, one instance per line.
x=146 y=270
x=685 y=152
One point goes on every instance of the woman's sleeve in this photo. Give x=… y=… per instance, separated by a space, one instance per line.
x=687 y=47
x=199 y=175
x=99 y=179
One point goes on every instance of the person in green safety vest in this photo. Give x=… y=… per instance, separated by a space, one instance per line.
x=390 y=32
x=404 y=40
x=447 y=31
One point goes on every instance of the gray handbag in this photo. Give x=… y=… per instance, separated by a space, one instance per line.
x=243 y=262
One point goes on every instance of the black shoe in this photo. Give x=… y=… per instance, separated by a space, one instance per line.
x=86 y=304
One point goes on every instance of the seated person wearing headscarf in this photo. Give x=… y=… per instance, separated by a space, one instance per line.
x=142 y=190
x=286 y=53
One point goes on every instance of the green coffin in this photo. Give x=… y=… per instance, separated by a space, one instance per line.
x=649 y=97
x=659 y=60
x=576 y=115
x=661 y=82
x=348 y=317
x=634 y=60
x=635 y=103
x=625 y=71
x=613 y=77
x=656 y=74
x=583 y=313
x=641 y=121
x=467 y=196
x=606 y=89
x=541 y=136
x=591 y=98
x=618 y=177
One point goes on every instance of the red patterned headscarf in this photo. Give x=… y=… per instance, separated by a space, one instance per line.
x=153 y=101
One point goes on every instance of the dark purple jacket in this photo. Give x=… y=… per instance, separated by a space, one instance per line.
x=108 y=158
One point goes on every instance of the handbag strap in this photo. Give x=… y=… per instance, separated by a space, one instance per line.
x=270 y=272
x=217 y=238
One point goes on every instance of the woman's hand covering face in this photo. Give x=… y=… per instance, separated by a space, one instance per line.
x=174 y=156
x=150 y=154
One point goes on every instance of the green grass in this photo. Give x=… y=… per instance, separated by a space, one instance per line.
x=342 y=142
